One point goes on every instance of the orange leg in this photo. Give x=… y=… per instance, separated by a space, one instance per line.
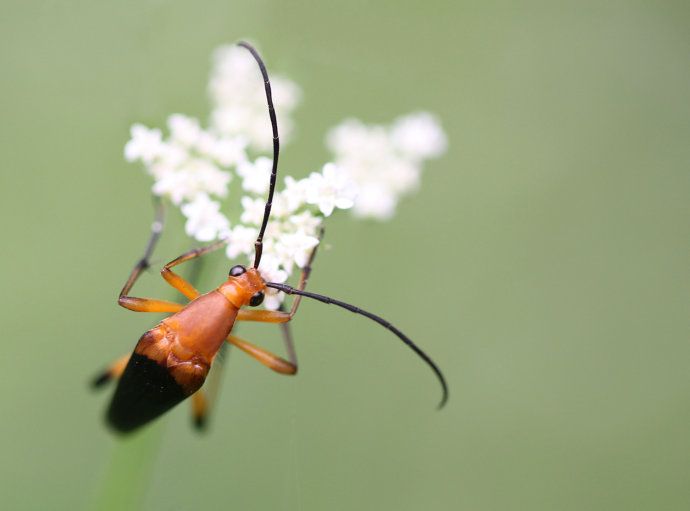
x=263 y=316
x=200 y=408
x=176 y=280
x=267 y=358
x=148 y=304
x=289 y=343
x=113 y=372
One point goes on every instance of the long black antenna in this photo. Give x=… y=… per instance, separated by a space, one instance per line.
x=325 y=299
x=258 y=244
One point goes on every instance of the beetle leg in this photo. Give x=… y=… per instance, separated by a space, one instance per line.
x=200 y=407
x=304 y=276
x=278 y=364
x=286 y=331
x=202 y=399
x=263 y=316
x=176 y=280
x=147 y=304
x=285 y=327
x=113 y=372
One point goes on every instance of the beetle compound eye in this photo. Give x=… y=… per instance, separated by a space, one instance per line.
x=238 y=270
x=257 y=299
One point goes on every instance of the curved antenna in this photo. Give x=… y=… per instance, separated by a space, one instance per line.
x=258 y=244
x=325 y=299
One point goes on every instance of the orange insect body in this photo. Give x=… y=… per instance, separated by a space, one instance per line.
x=171 y=360
x=187 y=342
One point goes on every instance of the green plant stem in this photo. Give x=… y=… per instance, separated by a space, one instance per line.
x=129 y=471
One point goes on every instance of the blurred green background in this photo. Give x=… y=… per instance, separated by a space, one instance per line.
x=543 y=263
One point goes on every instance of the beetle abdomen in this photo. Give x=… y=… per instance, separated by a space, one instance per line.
x=145 y=391
x=154 y=381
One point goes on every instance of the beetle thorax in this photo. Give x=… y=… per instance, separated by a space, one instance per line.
x=239 y=290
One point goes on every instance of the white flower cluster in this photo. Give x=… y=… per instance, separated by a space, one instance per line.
x=239 y=104
x=296 y=216
x=194 y=166
x=385 y=162
x=190 y=167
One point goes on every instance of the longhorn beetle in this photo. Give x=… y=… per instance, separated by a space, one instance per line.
x=171 y=361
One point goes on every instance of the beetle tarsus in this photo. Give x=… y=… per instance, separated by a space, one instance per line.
x=101 y=379
x=200 y=423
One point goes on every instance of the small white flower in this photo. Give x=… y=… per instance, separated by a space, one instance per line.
x=204 y=219
x=281 y=206
x=355 y=139
x=210 y=178
x=385 y=163
x=227 y=151
x=241 y=241
x=271 y=272
x=239 y=103
x=273 y=298
x=306 y=222
x=294 y=248
x=330 y=189
x=145 y=145
x=419 y=135
x=170 y=158
x=253 y=210
x=375 y=201
x=196 y=176
x=173 y=185
x=274 y=231
x=255 y=177
x=295 y=193
x=184 y=130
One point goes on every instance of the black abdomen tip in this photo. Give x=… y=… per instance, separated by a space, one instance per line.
x=145 y=391
x=200 y=423
x=101 y=380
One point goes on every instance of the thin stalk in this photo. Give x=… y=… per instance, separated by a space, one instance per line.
x=129 y=473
